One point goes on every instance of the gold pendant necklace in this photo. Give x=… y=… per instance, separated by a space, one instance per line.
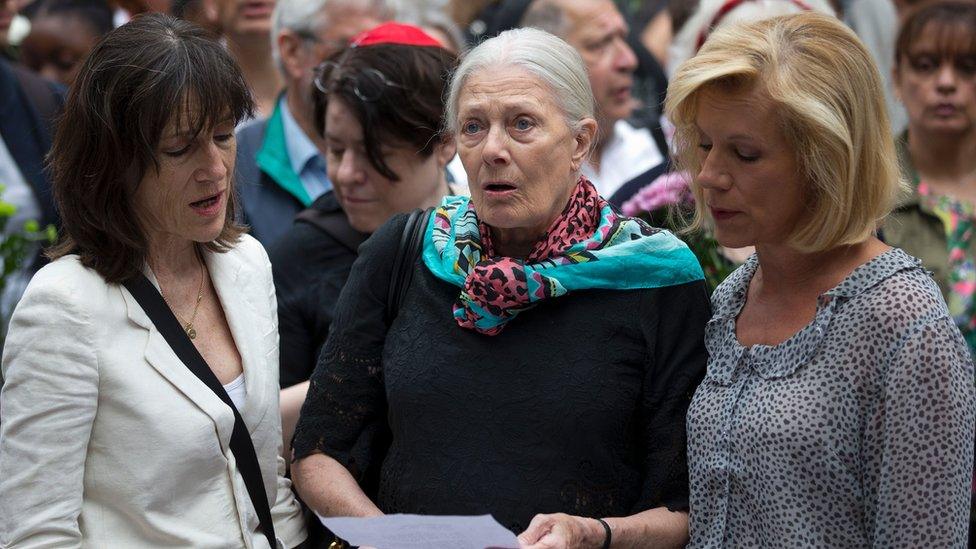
x=188 y=326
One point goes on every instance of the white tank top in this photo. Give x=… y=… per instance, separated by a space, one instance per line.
x=237 y=391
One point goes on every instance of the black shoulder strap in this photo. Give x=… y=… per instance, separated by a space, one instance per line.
x=241 y=445
x=657 y=133
x=335 y=224
x=406 y=256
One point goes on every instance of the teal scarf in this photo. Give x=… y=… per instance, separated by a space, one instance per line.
x=622 y=253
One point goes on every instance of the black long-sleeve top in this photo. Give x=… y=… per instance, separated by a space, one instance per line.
x=310 y=268
x=578 y=406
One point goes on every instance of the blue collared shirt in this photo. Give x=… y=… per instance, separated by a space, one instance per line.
x=306 y=159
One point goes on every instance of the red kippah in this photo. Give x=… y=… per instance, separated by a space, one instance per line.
x=395 y=33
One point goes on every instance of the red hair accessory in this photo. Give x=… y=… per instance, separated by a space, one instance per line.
x=394 y=33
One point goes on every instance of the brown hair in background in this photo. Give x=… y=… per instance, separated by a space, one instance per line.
x=954 y=22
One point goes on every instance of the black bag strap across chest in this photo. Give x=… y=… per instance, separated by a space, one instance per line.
x=411 y=245
x=241 y=444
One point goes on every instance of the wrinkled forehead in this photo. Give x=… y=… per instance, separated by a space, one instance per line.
x=736 y=95
x=502 y=88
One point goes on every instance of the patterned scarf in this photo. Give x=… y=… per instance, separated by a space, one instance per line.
x=589 y=246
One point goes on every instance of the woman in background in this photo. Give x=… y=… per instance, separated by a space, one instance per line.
x=391 y=82
x=936 y=80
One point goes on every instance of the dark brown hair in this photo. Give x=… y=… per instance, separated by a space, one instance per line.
x=953 y=21
x=408 y=112
x=139 y=77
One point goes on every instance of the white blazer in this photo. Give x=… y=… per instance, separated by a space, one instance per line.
x=108 y=440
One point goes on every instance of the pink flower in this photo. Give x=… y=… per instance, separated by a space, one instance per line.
x=667 y=190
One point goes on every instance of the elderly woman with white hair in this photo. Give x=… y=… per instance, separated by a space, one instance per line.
x=543 y=372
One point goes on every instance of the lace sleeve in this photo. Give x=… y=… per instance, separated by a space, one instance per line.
x=344 y=415
x=674 y=323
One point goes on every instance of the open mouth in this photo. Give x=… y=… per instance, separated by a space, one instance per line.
x=499 y=187
x=206 y=202
x=208 y=206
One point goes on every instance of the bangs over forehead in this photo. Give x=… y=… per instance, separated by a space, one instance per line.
x=141 y=76
x=948 y=27
x=193 y=90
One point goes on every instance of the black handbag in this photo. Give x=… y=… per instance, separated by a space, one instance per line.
x=241 y=445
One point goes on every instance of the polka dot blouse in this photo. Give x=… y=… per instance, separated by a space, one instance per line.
x=855 y=432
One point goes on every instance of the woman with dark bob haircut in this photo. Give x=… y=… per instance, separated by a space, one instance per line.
x=378 y=106
x=141 y=366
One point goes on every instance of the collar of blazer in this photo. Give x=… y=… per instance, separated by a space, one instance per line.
x=239 y=289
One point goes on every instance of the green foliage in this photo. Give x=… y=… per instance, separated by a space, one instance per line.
x=673 y=217
x=714 y=264
x=17 y=244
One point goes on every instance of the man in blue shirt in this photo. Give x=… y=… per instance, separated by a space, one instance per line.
x=280 y=164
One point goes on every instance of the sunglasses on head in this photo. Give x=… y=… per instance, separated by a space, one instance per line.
x=368 y=84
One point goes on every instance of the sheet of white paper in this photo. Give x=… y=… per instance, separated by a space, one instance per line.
x=423 y=532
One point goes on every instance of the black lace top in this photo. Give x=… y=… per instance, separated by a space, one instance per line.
x=577 y=407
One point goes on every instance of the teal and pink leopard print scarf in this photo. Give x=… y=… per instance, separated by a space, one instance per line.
x=589 y=246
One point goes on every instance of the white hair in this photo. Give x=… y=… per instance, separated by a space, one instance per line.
x=546 y=56
x=306 y=18
x=685 y=43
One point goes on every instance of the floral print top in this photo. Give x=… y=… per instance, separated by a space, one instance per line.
x=857 y=431
x=959 y=219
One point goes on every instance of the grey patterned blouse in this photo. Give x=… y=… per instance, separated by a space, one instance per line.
x=855 y=432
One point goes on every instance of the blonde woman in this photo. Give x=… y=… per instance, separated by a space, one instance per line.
x=838 y=408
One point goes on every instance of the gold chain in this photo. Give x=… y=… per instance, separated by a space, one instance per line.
x=188 y=326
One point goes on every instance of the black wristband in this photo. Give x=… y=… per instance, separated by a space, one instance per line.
x=606 y=528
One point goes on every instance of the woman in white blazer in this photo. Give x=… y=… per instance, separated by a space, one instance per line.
x=107 y=439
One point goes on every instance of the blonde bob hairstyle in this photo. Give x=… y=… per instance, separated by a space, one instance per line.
x=826 y=90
